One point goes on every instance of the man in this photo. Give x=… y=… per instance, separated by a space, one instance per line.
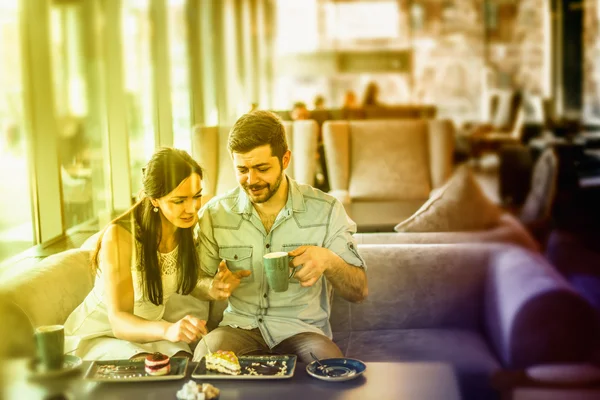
x=299 y=111
x=270 y=212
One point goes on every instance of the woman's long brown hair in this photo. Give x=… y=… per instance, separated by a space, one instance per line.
x=166 y=169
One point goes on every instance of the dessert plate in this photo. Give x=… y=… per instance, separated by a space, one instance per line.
x=253 y=367
x=37 y=373
x=336 y=369
x=133 y=371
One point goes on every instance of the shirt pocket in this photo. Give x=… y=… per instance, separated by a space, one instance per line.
x=293 y=246
x=238 y=258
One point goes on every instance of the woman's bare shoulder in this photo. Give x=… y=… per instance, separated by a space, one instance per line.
x=117 y=237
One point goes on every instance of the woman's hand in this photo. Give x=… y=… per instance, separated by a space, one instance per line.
x=188 y=329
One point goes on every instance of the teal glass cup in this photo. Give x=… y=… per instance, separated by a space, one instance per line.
x=50 y=343
x=278 y=270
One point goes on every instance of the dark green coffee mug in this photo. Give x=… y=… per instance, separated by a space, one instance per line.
x=277 y=268
x=50 y=342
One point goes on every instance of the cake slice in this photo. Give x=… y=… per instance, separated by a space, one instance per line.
x=157 y=364
x=223 y=361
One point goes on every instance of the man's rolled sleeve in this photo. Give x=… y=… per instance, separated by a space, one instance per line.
x=339 y=238
x=209 y=250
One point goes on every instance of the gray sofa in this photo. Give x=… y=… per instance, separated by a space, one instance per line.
x=478 y=307
x=509 y=230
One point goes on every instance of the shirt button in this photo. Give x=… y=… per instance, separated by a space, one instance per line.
x=235 y=257
x=268 y=245
x=265 y=295
x=260 y=320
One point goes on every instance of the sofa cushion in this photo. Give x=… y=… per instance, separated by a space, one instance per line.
x=417 y=287
x=42 y=294
x=396 y=153
x=509 y=230
x=466 y=350
x=460 y=205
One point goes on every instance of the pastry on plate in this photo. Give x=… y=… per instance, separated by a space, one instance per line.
x=223 y=361
x=157 y=364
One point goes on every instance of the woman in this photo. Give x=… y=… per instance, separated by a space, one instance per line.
x=141 y=259
x=371 y=96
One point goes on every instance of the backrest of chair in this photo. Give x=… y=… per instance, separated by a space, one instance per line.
x=336 y=140
x=509 y=103
x=441 y=150
x=288 y=126
x=209 y=148
x=389 y=160
x=519 y=123
x=543 y=187
x=533 y=107
x=205 y=150
x=399 y=159
x=227 y=179
x=302 y=139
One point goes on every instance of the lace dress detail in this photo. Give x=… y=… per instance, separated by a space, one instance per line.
x=168 y=261
x=88 y=332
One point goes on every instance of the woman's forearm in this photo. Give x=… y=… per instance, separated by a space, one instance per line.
x=130 y=327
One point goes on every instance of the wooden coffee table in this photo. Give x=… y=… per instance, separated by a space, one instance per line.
x=383 y=380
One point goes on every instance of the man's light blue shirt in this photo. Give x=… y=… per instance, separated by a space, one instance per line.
x=231 y=230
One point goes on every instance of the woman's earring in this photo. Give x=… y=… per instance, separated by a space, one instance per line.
x=155 y=209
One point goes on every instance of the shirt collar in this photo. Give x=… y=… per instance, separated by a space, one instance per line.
x=295 y=201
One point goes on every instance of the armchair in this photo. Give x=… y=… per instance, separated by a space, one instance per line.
x=384 y=170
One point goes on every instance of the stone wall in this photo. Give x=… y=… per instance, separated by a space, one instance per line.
x=448 y=58
x=591 y=63
x=457 y=56
x=521 y=59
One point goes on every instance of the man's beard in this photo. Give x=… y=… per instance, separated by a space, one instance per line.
x=270 y=190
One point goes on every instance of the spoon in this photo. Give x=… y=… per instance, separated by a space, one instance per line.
x=206 y=344
x=323 y=368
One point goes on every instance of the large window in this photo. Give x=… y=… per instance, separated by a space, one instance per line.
x=78 y=106
x=180 y=82
x=137 y=59
x=16 y=228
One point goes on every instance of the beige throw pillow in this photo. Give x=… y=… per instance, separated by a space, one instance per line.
x=459 y=205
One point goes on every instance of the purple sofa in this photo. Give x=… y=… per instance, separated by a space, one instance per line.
x=577 y=258
x=479 y=307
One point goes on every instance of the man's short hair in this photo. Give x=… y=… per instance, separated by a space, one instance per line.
x=255 y=129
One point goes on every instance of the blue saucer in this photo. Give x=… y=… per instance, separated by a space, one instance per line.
x=336 y=369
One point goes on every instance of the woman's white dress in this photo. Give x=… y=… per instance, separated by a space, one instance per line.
x=88 y=333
